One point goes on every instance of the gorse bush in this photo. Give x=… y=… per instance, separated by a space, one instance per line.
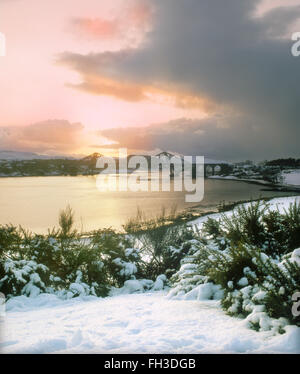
x=164 y=247
x=249 y=267
x=10 y=239
x=252 y=254
x=212 y=228
x=193 y=269
x=69 y=263
x=245 y=224
x=224 y=268
x=120 y=260
x=23 y=277
x=162 y=242
x=275 y=233
x=281 y=281
x=64 y=261
x=292 y=225
x=254 y=224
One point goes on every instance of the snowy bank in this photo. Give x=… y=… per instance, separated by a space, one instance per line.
x=291 y=177
x=280 y=203
x=138 y=323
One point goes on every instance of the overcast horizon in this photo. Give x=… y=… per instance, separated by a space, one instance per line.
x=191 y=77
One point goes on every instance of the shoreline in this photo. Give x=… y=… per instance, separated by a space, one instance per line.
x=274 y=186
x=190 y=214
x=196 y=212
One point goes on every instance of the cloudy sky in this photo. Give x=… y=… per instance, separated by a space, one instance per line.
x=199 y=77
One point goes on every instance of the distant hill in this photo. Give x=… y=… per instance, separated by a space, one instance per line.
x=14 y=163
x=16 y=155
x=284 y=162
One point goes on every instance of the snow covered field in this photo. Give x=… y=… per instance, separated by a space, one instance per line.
x=292 y=178
x=137 y=323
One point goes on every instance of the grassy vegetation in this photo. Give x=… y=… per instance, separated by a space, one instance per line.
x=163 y=241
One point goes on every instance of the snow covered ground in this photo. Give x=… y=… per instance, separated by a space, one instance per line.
x=137 y=323
x=280 y=203
x=292 y=178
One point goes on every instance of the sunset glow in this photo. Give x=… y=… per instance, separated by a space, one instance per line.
x=92 y=66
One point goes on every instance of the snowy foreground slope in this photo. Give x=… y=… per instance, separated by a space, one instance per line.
x=149 y=322
x=137 y=323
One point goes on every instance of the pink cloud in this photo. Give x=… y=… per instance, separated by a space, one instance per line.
x=51 y=135
x=97 y=27
x=129 y=23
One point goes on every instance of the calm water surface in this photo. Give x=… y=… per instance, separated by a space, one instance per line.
x=35 y=202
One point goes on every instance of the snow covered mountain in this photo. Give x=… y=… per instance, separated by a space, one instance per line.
x=93 y=157
x=168 y=155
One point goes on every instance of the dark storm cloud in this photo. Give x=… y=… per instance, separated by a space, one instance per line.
x=209 y=137
x=219 y=50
